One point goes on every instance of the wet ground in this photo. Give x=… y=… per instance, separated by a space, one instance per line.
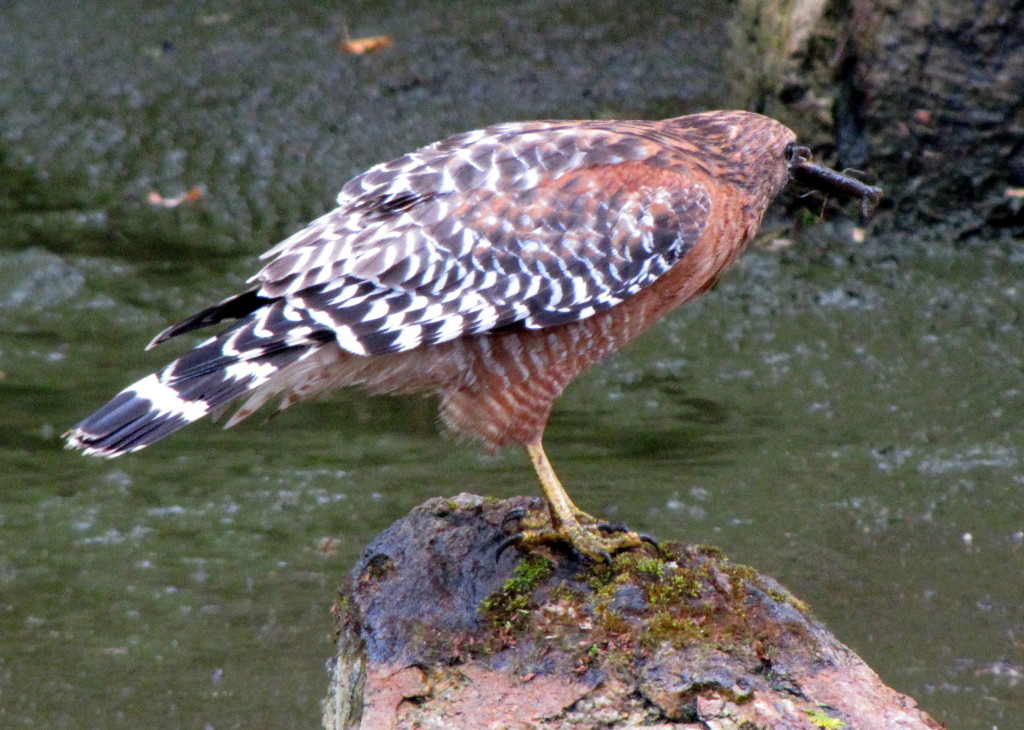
x=845 y=417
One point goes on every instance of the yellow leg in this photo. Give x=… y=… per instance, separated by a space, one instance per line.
x=568 y=522
x=562 y=510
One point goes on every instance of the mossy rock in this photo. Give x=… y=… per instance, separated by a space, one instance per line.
x=439 y=626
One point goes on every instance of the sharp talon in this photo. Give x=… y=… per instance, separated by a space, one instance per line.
x=650 y=541
x=507 y=543
x=602 y=554
x=516 y=513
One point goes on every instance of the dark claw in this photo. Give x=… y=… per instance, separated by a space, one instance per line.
x=516 y=513
x=507 y=543
x=651 y=541
x=606 y=557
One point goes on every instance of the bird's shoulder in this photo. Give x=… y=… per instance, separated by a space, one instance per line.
x=511 y=156
x=531 y=172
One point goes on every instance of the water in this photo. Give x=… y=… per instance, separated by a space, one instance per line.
x=845 y=417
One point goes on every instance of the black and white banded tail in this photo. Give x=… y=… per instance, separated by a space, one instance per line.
x=239 y=360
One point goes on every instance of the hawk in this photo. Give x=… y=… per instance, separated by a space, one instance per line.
x=490 y=269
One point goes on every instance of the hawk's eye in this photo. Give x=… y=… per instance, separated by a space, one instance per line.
x=797 y=153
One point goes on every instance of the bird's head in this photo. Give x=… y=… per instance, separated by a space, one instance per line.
x=762 y=156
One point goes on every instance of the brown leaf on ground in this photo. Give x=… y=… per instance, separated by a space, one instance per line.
x=370 y=44
x=191 y=195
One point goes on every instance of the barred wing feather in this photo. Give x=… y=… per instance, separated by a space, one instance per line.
x=483 y=231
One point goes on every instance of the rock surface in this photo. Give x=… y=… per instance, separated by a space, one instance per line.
x=436 y=630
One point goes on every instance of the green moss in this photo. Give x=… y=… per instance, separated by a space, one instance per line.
x=527 y=575
x=615 y=612
x=667 y=627
x=824 y=720
x=511 y=605
x=652 y=566
x=444 y=507
x=563 y=593
x=674 y=589
x=785 y=597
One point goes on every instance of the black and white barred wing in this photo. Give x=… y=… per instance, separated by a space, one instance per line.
x=535 y=224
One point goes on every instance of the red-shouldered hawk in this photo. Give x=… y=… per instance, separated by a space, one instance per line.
x=489 y=268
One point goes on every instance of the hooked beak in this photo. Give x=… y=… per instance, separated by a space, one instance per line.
x=806 y=174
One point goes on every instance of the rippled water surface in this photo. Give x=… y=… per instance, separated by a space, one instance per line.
x=843 y=416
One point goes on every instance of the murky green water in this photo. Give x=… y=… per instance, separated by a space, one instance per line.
x=844 y=417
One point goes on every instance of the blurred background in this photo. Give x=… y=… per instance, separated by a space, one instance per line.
x=843 y=412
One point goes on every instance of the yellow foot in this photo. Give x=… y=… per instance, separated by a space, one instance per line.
x=592 y=543
x=587 y=535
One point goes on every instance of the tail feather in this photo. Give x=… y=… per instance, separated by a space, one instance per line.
x=234 y=307
x=158 y=405
x=240 y=360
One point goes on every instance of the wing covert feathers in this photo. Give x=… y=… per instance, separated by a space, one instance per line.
x=537 y=224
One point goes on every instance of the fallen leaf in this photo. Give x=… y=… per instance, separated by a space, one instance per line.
x=191 y=195
x=369 y=44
